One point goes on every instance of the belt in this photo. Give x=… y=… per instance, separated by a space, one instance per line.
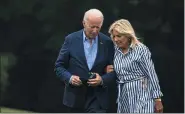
x=124 y=82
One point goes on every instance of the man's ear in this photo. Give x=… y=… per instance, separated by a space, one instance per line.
x=83 y=22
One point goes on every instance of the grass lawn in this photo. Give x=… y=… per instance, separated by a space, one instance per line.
x=11 y=110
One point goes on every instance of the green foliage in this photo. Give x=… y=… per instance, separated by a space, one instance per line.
x=17 y=7
x=55 y=41
x=7 y=60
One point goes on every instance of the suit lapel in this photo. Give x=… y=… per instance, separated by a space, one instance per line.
x=100 y=51
x=81 y=48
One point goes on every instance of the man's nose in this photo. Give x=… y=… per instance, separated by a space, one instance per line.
x=95 y=30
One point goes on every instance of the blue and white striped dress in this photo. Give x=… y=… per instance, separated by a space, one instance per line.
x=138 y=83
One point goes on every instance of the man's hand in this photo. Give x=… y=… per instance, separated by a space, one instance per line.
x=96 y=81
x=75 y=80
x=158 y=106
x=109 y=68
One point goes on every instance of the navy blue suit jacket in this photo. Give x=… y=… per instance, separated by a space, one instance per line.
x=72 y=61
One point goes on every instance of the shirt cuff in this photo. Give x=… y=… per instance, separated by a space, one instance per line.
x=157 y=94
x=70 y=80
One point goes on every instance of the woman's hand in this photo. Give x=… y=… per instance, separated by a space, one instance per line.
x=158 y=108
x=109 y=68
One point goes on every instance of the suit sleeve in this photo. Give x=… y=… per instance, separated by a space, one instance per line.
x=109 y=78
x=149 y=70
x=62 y=61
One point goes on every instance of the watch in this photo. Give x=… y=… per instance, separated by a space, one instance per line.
x=158 y=99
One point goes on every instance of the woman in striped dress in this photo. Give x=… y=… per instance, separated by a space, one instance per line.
x=138 y=85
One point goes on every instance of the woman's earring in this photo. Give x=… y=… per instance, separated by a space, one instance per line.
x=129 y=40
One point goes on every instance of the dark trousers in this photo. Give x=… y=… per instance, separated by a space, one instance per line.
x=73 y=110
x=92 y=106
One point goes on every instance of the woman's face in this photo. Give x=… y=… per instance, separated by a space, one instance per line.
x=120 y=40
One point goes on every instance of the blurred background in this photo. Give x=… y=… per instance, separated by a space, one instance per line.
x=32 y=32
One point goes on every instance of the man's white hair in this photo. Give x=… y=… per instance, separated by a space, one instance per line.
x=94 y=12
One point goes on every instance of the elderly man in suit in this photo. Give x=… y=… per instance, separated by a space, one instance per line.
x=82 y=54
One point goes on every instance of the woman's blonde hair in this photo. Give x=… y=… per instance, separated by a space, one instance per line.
x=124 y=27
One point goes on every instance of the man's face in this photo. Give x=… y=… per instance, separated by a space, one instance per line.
x=92 y=27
